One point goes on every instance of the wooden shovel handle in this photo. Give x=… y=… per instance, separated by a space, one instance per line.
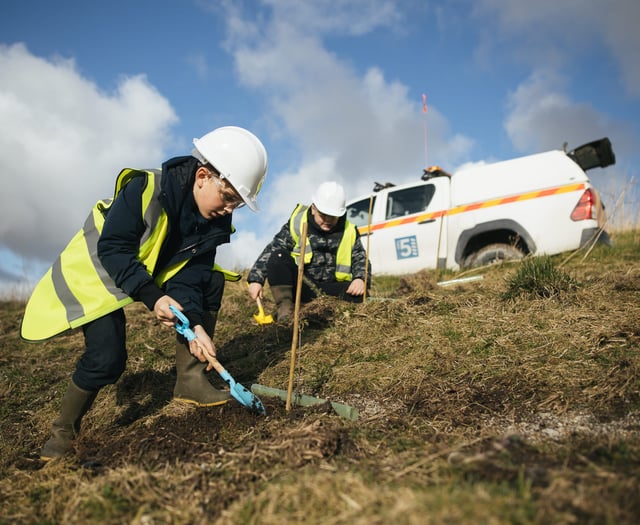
x=217 y=366
x=215 y=363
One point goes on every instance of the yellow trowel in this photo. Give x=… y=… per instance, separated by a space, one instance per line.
x=260 y=317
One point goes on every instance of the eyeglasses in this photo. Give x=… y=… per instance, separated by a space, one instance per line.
x=228 y=195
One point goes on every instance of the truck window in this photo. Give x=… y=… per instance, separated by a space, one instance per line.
x=358 y=212
x=409 y=201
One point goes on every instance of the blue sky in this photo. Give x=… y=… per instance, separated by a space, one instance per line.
x=332 y=87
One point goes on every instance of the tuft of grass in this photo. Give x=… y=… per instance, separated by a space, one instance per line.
x=539 y=277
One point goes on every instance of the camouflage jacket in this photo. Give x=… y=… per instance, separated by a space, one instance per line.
x=324 y=246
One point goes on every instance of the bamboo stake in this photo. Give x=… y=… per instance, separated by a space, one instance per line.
x=296 y=314
x=438 y=248
x=366 y=257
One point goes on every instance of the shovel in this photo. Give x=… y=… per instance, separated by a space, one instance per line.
x=240 y=393
x=260 y=317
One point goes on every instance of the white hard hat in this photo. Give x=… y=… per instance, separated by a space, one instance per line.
x=329 y=199
x=239 y=157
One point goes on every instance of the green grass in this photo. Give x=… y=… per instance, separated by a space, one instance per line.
x=539 y=277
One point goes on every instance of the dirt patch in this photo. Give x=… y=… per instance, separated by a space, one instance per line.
x=547 y=426
x=224 y=436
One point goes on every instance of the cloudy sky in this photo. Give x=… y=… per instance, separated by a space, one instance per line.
x=334 y=88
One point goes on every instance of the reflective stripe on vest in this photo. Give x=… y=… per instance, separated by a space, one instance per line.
x=343 y=256
x=296 y=220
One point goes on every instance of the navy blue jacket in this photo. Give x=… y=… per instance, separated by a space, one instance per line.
x=190 y=237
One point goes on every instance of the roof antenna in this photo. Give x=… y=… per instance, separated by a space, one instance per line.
x=424 y=127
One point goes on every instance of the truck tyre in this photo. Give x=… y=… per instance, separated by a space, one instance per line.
x=493 y=253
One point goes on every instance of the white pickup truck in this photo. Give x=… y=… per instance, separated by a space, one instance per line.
x=537 y=204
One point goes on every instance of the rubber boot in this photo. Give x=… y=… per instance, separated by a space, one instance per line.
x=66 y=427
x=192 y=385
x=283 y=296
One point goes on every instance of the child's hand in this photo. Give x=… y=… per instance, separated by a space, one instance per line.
x=356 y=287
x=162 y=311
x=255 y=291
x=202 y=347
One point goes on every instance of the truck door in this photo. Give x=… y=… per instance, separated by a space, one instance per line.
x=407 y=239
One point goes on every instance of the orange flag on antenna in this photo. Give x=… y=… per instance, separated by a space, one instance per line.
x=424 y=103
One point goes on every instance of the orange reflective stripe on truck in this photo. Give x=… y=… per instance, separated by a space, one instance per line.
x=568 y=188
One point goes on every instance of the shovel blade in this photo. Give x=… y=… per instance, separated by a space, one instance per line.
x=246 y=398
x=260 y=317
x=263 y=319
x=242 y=395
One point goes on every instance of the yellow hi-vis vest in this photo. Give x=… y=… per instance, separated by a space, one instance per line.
x=343 y=257
x=77 y=289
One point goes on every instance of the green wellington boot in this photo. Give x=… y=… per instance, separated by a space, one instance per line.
x=192 y=385
x=66 y=427
x=283 y=296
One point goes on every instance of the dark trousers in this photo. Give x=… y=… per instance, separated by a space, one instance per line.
x=283 y=270
x=105 y=353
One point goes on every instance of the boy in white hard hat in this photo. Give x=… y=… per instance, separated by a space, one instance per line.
x=154 y=242
x=335 y=261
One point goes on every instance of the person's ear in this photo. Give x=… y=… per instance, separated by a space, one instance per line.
x=202 y=174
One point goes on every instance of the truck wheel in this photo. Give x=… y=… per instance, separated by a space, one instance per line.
x=493 y=253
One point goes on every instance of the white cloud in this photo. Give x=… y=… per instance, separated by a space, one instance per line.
x=542 y=116
x=352 y=127
x=552 y=33
x=63 y=142
x=344 y=17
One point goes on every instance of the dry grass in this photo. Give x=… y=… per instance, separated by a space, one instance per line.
x=474 y=408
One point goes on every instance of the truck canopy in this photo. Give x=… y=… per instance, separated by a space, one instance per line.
x=513 y=177
x=542 y=170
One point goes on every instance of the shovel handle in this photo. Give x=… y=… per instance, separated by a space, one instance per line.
x=260 y=309
x=217 y=366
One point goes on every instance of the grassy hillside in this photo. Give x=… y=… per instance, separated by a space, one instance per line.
x=511 y=399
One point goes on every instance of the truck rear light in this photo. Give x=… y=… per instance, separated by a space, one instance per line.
x=586 y=207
